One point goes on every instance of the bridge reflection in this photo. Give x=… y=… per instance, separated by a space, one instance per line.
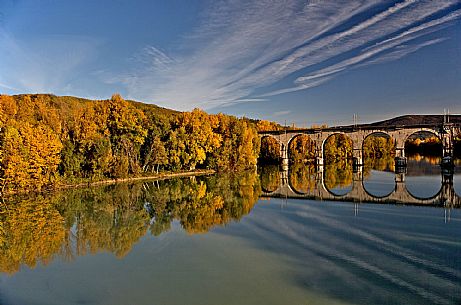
x=317 y=184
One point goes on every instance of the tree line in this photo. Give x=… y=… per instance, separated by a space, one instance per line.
x=47 y=140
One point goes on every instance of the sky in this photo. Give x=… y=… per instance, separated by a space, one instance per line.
x=295 y=62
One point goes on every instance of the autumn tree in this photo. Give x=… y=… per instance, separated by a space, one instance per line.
x=32 y=231
x=45 y=139
x=264 y=125
x=378 y=147
x=240 y=145
x=270 y=151
x=192 y=138
x=338 y=147
x=127 y=134
x=156 y=155
x=301 y=149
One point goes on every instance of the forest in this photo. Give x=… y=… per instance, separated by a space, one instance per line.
x=47 y=141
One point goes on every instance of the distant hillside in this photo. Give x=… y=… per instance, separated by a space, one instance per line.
x=66 y=103
x=416 y=120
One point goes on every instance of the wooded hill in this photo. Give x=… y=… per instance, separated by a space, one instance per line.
x=417 y=120
x=47 y=140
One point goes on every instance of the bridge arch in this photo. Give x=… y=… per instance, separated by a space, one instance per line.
x=346 y=136
x=431 y=198
x=310 y=149
x=338 y=177
x=402 y=136
x=375 y=196
x=335 y=195
x=378 y=150
x=437 y=148
x=377 y=133
x=267 y=155
x=302 y=179
x=422 y=130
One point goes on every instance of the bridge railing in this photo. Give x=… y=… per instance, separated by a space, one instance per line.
x=352 y=128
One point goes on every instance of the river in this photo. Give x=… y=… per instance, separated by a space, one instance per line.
x=238 y=239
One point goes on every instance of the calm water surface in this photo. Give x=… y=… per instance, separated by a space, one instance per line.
x=217 y=240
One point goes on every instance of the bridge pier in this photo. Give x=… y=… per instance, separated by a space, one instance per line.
x=284 y=156
x=400 y=159
x=447 y=144
x=319 y=151
x=319 y=162
x=357 y=157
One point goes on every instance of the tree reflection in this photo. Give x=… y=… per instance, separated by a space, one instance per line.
x=32 y=230
x=270 y=177
x=302 y=177
x=338 y=174
x=385 y=163
x=114 y=218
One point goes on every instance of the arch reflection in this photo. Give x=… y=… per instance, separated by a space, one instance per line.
x=338 y=177
x=395 y=191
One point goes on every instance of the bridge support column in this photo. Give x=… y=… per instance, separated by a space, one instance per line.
x=357 y=156
x=357 y=191
x=319 y=152
x=400 y=187
x=447 y=144
x=357 y=177
x=284 y=176
x=319 y=161
x=284 y=156
x=400 y=159
x=448 y=194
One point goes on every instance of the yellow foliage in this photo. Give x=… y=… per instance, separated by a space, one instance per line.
x=32 y=230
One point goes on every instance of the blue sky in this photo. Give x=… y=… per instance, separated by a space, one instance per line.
x=303 y=62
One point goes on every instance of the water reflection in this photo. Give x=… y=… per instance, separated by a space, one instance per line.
x=376 y=182
x=301 y=176
x=270 y=177
x=144 y=249
x=114 y=218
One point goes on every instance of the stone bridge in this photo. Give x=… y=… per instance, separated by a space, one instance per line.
x=446 y=196
x=446 y=132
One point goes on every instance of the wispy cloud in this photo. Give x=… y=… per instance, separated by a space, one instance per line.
x=281 y=113
x=241 y=48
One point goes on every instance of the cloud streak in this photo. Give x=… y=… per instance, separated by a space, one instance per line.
x=243 y=48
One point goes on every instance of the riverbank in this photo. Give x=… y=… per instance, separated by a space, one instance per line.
x=156 y=177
